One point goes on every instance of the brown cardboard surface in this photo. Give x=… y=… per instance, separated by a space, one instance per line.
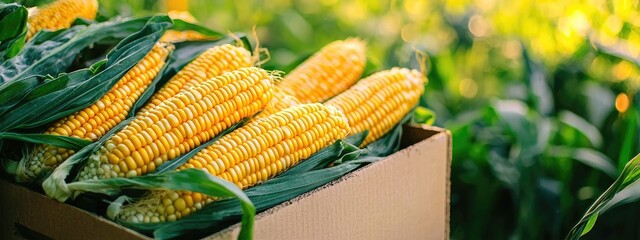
x=26 y=215
x=404 y=196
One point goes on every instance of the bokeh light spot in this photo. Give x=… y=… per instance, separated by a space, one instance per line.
x=622 y=102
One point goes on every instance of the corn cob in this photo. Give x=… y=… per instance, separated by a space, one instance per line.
x=94 y=121
x=380 y=101
x=181 y=36
x=213 y=62
x=327 y=73
x=279 y=102
x=60 y=14
x=248 y=156
x=180 y=124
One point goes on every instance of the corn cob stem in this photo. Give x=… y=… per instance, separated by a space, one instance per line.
x=180 y=124
x=213 y=62
x=378 y=102
x=327 y=73
x=94 y=121
x=248 y=156
x=60 y=14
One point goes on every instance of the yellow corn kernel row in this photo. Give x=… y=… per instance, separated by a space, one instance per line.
x=94 y=121
x=174 y=36
x=60 y=14
x=327 y=73
x=380 y=101
x=180 y=123
x=247 y=156
x=211 y=63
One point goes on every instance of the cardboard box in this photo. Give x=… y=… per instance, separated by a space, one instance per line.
x=404 y=196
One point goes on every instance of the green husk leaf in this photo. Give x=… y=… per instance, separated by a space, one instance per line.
x=55 y=185
x=53 y=140
x=13 y=22
x=390 y=142
x=34 y=87
x=53 y=52
x=273 y=191
x=34 y=60
x=194 y=180
x=75 y=97
x=358 y=138
x=15 y=91
x=181 y=25
x=10 y=48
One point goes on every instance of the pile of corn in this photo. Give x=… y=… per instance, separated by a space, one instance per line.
x=321 y=101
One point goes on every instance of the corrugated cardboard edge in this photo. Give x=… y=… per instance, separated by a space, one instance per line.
x=25 y=210
x=233 y=231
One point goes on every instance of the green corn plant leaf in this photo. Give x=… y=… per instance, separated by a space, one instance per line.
x=587 y=156
x=52 y=52
x=53 y=140
x=422 y=115
x=618 y=50
x=629 y=136
x=514 y=114
x=539 y=91
x=13 y=22
x=75 y=97
x=630 y=174
x=582 y=126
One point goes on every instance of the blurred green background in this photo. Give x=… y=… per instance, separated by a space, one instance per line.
x=539 y=95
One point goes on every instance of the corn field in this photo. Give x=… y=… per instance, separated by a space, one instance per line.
x=540 y=97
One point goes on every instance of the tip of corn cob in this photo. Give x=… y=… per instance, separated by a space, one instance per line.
x=60 y=14
x=378 y=102
x=328 y=72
